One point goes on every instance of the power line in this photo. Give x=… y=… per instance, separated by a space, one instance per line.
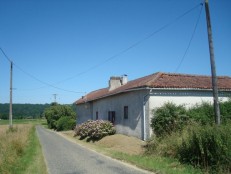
x=134 y=44
x=5 y=55
x=108 y=59
x=190 y=41
x=35 y=78
x=45 y=83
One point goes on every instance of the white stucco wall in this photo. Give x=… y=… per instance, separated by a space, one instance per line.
x=134 y=100
x=186 y=98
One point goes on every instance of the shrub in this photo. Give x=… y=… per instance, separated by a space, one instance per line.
x=55 y=112
x=65 y=123
x=225 y=108
x=208 y=147
x=202 y=113
x=163 y=146
x=168 y=118
x=95 y=130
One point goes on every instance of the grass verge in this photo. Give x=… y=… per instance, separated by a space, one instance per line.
x=20 y=150
x=155 y=164
x=24 y=121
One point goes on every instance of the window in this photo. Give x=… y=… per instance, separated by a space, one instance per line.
x=125 y=112
x=111 y=116
x=96 y=115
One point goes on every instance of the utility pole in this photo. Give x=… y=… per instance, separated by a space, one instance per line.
x=55 y=95
x=10 y=112
x=213 y=67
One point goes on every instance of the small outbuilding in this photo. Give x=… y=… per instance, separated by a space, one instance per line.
x=129 y=104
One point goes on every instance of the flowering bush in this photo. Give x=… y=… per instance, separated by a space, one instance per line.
x=95 y=129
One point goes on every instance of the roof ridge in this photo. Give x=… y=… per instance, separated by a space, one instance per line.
x=193 y=75
x=157 y=75
x=137 y=79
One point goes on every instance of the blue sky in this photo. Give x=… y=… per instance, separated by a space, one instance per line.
x=59 y=46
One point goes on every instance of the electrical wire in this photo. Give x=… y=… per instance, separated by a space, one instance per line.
x=35 y=78
x=108 y=59
x=133 y=45
x=45 y=83
x=5 y=55
x=190 y=41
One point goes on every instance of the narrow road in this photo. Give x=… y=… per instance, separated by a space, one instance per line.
x=65 y=157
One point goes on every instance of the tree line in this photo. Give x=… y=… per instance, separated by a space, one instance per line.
x=22 y=111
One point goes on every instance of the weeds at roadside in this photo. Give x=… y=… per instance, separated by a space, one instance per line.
x=19 y=150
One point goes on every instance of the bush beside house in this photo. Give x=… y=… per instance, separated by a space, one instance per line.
x=95 y=129
x=193 y=138
x=60 y=117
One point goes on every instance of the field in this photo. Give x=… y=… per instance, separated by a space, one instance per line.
x=20 y=150
x=23 y=121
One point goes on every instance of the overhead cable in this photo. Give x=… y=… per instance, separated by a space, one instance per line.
x=35 y=78
x=190 y=41
x=5 y=55
x=110 y=58
x=134 y=44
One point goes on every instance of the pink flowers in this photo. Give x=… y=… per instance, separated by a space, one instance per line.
x=95 y=130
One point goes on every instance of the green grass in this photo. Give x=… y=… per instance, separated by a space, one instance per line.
x=156 y=164
x=24 y=121
x=32 y=160
x=20 y=149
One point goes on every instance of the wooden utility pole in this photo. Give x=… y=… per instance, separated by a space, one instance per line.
x=10 y=112
x=213 y=67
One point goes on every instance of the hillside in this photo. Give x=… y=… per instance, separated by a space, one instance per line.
x=23 y=110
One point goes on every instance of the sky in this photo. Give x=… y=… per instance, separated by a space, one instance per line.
x=72 y=47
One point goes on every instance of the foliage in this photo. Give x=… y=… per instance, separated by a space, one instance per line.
x=23 y=110
x=208 y=147
x=172 y=118
x=197 y=141
x=55 y=112
x=95 y=130
x=225 y=108
x=168 y=118
x=66 y=123
x=164 y=146
x=202 y=113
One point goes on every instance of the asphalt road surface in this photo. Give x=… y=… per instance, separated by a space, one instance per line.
x=65 y=157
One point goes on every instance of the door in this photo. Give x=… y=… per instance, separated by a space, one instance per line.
x=111 y=116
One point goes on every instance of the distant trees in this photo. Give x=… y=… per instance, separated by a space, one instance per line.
x=60 y=117
x=23 y=110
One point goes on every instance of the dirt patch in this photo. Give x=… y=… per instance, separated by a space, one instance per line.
x=117 y=142
x=122 y=143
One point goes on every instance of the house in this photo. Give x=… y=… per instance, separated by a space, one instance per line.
x=129 y=104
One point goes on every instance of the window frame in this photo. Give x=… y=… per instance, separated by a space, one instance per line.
x=96 y=115
x=125 y=112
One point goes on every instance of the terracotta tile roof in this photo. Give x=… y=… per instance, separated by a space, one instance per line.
x=162 y=80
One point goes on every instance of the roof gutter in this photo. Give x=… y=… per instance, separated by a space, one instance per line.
x=148 y=88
